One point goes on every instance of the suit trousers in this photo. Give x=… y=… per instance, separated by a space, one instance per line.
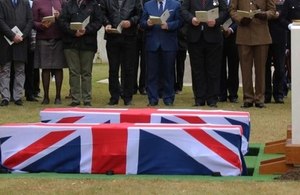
x=29 y=75
x=121 y=52
x=229 y=84
x=277 y=56
x=160 y=75
x=253 y=55
x=140 y=66
x=205 y=61
x=19 y=80
x=180 y=66
x=80 y=74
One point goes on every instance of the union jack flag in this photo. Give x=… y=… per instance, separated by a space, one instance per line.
x=122 y=148
x=136 y=115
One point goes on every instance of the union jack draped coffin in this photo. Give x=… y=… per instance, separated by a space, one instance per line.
x=136 y=115
x=122 y=148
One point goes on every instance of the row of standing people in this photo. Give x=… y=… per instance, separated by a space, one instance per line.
x=77 y=48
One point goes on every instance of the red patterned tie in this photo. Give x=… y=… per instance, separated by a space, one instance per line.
x=203 y=3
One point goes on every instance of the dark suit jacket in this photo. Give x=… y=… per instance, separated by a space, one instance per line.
x=277 y=28
x=210 y=34
x=157 y=37
x=290 y=11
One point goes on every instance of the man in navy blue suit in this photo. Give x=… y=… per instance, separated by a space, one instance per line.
x=161 y=47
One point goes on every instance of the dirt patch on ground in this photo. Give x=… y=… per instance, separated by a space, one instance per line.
x=292 y=174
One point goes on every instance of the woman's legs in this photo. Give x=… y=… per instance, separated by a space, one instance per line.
x=46 y=83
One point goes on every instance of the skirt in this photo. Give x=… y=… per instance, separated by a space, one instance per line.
x=49 y=54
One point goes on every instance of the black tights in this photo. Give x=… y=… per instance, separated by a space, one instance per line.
x=46 y=74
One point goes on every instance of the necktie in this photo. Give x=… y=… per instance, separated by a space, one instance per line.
x=160 y=9
x=203 y=3
x=14 y=2
x=79 y=2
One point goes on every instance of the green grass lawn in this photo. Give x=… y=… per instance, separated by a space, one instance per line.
x=267 y=124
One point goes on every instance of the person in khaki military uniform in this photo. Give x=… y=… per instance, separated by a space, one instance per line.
x=253 y=39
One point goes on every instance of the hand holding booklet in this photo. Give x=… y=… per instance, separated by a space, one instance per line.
x=117 y=30
x=162 y=19
x=204 y=16
x=80 y=25
x=49 y=18
x=227 y=24
x=246 y=14
x=17 y=31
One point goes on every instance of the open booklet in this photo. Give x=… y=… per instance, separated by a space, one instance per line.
x=204 y=16
x=16 y=30
x=50 y=18
x=227 y=24
x=296 y=22
x=162 y=19
x=80 y=25
x=246 y=14
x=117 y=30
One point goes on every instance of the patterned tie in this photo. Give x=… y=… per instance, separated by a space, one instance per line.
x=203 y=3
x=79 y=2
x=160 y=9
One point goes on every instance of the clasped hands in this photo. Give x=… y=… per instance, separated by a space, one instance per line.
x=246 y=21
x=163 y=25
x=210 y=23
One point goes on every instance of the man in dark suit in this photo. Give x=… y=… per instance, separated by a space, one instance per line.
x=121 y=47
x=276 y=58
x=290 y=11
x=13 y=14
x=140 y=66
x=229 y=84
x=161 y=48
x=205 y=42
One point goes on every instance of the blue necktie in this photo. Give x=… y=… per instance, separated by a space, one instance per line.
x=160 y=9
x=14 y=2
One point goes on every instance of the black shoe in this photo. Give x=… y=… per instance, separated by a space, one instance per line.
x=45 y=101
x=143 y=92
x=212 y=105
x=112 y=102
x=88 y=104
x=36 y=95
x=152 y=104
x=178 y=92
x=260 y=105
x=4 y=103
x=233 y=100
x=168 y=104
x=222 y=99
x=279 y=101
x=247 y=105
x=199 y=104
x=74 y=104
x=128 y=103
x=31 y=99
x=68 y=96
x=57 y=101
x=267 y=100
x=19 y=102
